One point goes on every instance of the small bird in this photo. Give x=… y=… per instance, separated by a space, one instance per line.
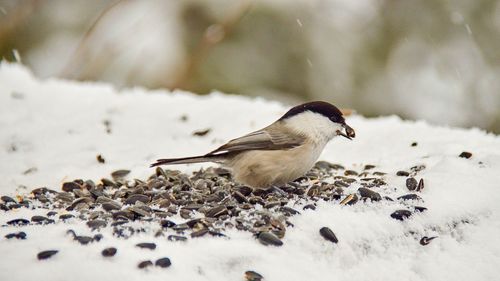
x=280 y=152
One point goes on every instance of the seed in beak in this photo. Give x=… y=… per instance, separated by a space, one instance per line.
x=349 y=132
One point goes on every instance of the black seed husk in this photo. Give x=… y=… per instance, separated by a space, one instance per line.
x=420 y=185
x=18 y=222
x=96 y=224
x=146 y=245
x=465 y=155
x=109 y=252
x=163 y=262
x=19 y=235
x=409 y=197
x=70 y=186
x=368 y=193
x=267 y=238
x=144 y=264
x=411 y=183
x=328 y=234
x=426 y=240
x=401 y=215
x=253 y=276
x=46 y=254
x=176 y=238
x=402 y=173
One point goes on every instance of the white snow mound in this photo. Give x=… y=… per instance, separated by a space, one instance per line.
x=52 y=130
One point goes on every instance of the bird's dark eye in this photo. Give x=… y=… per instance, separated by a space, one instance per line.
x=337 y=119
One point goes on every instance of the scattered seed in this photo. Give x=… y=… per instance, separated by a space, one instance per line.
x=328 y=234
x=46 y=254
x=176 y=238
x=109 y=252
x=401 y=215
x=19 y=235
x=70 y=186
x=7 y=199
x=267 y=239
x=18 y=222
x=420 y=209
x=108 y=182
x=350 y=173
x=137 y=197
x=411 y=183
x=163 y=262
x=417 y=168
x=465 y=155
x=98 y=237
x=349 y=200
x=240 y=198
x=309 y=207
x=426 y=240
x=409 y=197
x=100 y=159
x=96 y=224
x=84 y=240
x=253 y=276
x=216 y=211
x=120 y=174
x=51 y=213
x=420 y=185
x=111 y=206
x=146 y=245
x=201 y=133
x=368 y=193
x=144 y=264
x=66 y=217
x=167 y=223
x=402 y=174
x=41 y=220
x=289 y=211
x=199 y=233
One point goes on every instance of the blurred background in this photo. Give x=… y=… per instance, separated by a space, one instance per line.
x=435 y=60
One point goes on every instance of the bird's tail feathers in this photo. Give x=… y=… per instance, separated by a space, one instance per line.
x=186 y=160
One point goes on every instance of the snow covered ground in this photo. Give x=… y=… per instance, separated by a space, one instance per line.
x=51 y=131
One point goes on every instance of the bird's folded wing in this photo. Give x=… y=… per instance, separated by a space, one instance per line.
x=269 y=138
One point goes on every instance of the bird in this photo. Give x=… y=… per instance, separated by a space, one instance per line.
x=281 y=152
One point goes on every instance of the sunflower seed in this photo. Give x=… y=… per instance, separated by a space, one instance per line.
x=146 y=245
x=144 y=264
x=163 y=262
x=328 y=234
x=253 y=276
x=46 y=254
x=109 y=252
x=267 y=238
x=401 y=215
x=426 y=240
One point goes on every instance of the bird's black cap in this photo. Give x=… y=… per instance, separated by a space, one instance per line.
x=326 y=109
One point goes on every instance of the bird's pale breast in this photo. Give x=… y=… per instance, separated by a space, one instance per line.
x=264 y=168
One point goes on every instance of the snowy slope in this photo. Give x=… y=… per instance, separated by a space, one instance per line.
x=51 y=131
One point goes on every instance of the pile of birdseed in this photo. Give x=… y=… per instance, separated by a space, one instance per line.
x=208 y=202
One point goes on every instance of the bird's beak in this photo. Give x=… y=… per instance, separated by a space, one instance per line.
x=349 y=132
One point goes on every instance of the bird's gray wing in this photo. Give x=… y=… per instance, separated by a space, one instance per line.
x=272 y=137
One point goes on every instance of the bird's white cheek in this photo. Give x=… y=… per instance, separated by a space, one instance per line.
x=333 y=131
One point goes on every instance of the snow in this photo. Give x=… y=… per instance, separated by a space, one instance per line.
x=56 y=128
